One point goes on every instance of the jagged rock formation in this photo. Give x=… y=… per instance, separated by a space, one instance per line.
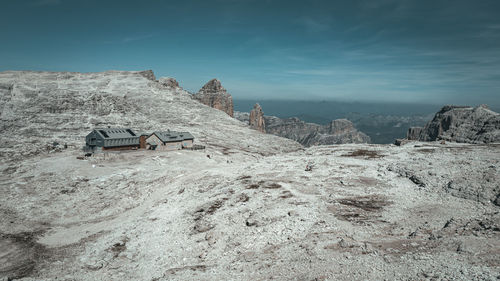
x=148 y=74
x=414 y=133
x=214 y=95
x=336 y=132
x=169 y=82
x=257 y=121
x=308 y=134
x=460 y=124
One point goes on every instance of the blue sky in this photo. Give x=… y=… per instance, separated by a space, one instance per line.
x=388 y=50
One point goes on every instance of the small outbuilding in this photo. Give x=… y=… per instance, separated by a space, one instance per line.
x=142 y=140
x=112 y=139
x=169 y=140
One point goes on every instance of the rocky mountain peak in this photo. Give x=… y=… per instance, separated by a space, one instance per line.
x=340 y=126
x=257 y=107
x=215 y=96
x=308 y=134
x=460 y=124
x=257 y=121
x=213 y=86
x=149 y=74
x=169 y=82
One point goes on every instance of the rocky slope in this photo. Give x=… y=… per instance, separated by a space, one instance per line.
x=43 y=111
x=308 y=134
x=214 y=95
x=460 y=124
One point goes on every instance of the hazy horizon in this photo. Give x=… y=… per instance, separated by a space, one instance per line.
x=378 y=107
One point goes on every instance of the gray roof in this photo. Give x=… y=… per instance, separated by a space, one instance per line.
x=116 y=133
x=172 y=136
x=186 y=135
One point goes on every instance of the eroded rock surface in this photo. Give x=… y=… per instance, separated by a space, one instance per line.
x=239 y=215
x=308 y=134
x=169 y=82
x=216 y=96
x=256 y=119
x=460 y=124
x=338 y=131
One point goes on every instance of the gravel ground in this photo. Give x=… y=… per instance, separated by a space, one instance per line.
x=364 y=212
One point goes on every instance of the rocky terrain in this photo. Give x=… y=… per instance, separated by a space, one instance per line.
x=423 y=211
x=308 y=134
x=169 y=82
x=382 y=122
x=44 y=111
x=214 y=95
x=460 y=124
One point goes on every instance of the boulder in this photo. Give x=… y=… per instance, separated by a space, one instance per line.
x=400 y=142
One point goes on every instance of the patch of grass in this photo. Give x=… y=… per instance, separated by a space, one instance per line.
x=426 y=150
x=362 y=210
x=273 y=186
x=366 y=203
x=370 y=154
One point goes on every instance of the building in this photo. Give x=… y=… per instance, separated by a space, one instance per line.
x=142 y=140
x=188 y=139
x=169 y=140
x=112 y=139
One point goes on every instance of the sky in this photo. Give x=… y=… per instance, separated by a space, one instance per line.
x=415 y=51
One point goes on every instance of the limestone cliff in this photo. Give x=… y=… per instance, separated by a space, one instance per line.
x=214 y=95
x=460 y=124
x=308 y=134
x=257 y=121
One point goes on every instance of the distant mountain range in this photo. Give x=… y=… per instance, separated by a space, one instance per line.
x=338 y=131
x=381 y=122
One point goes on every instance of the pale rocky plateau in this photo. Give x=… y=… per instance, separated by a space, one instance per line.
x=245 y=208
